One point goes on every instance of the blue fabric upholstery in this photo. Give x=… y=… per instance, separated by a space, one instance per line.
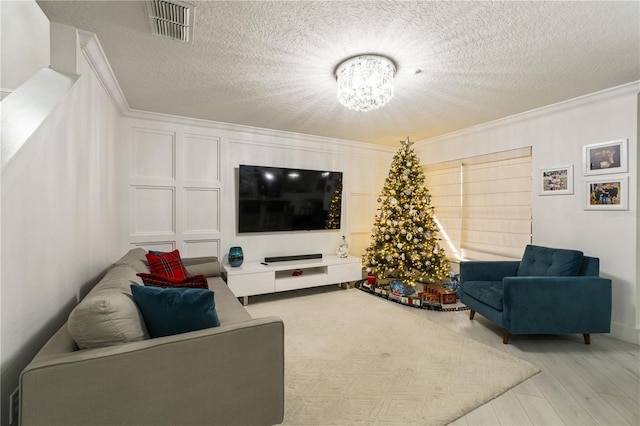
x=489 y=292
x=549 y=262
x=590 y=266
x=576 y=300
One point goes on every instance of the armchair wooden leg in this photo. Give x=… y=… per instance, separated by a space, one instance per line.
x=472 y=313
x=505 y=337
x=587 y=339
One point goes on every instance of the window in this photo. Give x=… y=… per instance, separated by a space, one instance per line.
x=483 y=204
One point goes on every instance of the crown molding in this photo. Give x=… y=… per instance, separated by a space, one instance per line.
x=93 y=52
x=624 y=89
x=255 y=131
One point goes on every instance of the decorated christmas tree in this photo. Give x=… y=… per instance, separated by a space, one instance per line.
x=333 y=217
x=404 y=240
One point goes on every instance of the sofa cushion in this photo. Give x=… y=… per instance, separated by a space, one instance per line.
x=198 y=281
x=487 y=292
x=546 y=261
x=108 y=315
x=169 y=311
x=168 y=265
x=229 y=309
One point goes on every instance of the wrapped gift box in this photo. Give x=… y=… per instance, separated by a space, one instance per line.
x=440 y=293
x=448 y=298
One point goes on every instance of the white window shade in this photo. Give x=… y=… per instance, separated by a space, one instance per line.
x=444 y=182
x=483 y=204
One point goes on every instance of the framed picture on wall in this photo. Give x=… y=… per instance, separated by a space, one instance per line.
x=605 y=157
x=607 y=193
x=556 y=180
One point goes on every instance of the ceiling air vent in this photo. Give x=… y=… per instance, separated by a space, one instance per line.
x=173 y=19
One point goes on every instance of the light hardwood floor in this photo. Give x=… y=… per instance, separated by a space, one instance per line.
x=596 y=384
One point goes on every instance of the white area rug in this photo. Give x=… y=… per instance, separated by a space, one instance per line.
x=353 y=358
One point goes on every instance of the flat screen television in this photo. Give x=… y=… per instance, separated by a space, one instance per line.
x=272 y=199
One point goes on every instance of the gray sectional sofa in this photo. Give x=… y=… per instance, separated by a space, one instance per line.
x=101 y=367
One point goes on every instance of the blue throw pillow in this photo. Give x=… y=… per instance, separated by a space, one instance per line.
x=168 y=311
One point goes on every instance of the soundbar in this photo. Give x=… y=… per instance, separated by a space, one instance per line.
x=294 y=257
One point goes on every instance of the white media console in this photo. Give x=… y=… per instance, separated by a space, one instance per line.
x=253 y=278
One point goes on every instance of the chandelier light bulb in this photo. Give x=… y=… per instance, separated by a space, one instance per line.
x=365 y=82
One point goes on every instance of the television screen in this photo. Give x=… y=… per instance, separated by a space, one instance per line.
x=279 y=199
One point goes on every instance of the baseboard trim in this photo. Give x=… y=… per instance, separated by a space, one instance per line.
x=625 y=333
x=4 y=93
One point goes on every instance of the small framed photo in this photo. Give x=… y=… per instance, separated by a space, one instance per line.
x=607 y=193
x=605 y=157
x=556 y=180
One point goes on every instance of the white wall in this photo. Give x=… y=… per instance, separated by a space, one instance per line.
x=557 y=135
x=183 y=186
x=61 y=196
x=24 y=44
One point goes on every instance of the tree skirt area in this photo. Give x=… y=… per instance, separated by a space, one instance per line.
x=431 y=303
x=351 y=358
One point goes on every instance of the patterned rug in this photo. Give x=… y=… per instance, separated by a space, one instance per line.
x=355 y=359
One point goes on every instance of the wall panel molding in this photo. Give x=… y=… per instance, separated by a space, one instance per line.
x=201 y=159
x=205 y=196
x=175 y=188
x=153 y=210
x=157 y=246
x=153 y=154
x=201 y=210
x=199 y=248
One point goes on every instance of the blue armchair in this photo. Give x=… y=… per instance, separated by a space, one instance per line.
x=549 y=291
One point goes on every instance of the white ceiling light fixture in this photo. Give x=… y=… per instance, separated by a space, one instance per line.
x=365 y=82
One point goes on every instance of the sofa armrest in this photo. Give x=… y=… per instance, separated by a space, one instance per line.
x=477 y=270
x=557 y=305
x=225 y=375
x=207 y=266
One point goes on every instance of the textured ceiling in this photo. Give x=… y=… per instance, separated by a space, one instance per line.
x=271 y=64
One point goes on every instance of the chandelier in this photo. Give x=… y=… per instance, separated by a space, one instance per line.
x=365 y=82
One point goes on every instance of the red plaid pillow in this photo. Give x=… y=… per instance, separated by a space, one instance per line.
x=197 y=281
x=168 y=265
